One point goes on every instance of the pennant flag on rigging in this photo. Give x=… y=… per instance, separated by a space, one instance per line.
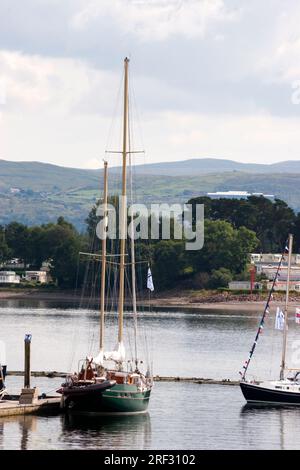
x=150 y=285
x=279 y=320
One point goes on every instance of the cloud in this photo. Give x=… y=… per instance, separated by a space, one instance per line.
x=209 y=77
x=156 y=20
x=42 y=84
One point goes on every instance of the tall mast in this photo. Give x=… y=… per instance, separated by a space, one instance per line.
x=103 y=258
x=123 y=204
x=285 y=328
x=133 y=276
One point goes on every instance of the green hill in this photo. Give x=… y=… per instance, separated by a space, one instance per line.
x=34 y=193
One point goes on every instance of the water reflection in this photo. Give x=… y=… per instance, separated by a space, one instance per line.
x=273 y=426
x=21 y=427
x=27 y=425
x=75 y=432
x=118 y=432
x=182 y=416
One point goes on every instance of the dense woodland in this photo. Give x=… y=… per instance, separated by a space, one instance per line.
x=233 y=229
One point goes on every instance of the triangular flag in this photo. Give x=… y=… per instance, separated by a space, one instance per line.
x=279 y=320
x=150 y=285
x=297 y=315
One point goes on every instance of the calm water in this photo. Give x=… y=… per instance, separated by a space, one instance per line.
x=181 y=415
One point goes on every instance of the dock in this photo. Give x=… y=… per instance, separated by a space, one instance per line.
x=197 y=380
x=156 y=378
x=12 y=407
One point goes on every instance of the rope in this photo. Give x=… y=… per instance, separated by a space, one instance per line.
x=265 y=312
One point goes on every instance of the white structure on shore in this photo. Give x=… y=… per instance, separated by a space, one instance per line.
x=36 y=276
x=9 y=277
x=237 y=195
x=272 y=258
x=281 y=285
x=266 y=264
x=244 y=285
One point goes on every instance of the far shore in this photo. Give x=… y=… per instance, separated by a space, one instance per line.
x=186 y=300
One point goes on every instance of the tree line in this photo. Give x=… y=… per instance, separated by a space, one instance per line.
x=233 y=229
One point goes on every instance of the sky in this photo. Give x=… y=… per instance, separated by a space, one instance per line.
x=208 y=78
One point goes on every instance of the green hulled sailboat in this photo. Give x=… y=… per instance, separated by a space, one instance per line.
x=98 y=388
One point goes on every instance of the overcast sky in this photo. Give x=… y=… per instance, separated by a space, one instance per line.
x=209 y=78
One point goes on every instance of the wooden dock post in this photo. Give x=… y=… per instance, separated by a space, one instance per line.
x=28 y=395
x=27 y=343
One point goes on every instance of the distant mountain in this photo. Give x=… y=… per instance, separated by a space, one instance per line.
x=43 y=176
x=28 y=174
x=35 y=193
x=203 y=166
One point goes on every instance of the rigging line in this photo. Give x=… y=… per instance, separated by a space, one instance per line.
x=91 y=302
x=266 y=310
x=115 y=112
x=110 y=300
x=113 y=289
x=272 y=352
x=132 y=242
x=129 y=293
x=76 y=288
x=90 y=299
x=136 y=110
x=74 y=342
x=113 y=299
x=94 y=336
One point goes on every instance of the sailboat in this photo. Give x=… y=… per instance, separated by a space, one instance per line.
x=98 y=387
x=286 y=389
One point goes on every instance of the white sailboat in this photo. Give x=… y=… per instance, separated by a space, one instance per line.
x=285 y=390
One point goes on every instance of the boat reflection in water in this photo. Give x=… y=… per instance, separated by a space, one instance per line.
x=75 y=432
x=118 y=432
x=271 y=423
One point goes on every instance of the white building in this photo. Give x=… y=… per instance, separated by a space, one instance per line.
x=272 y=258
x=36 y=276
x=244 y=285
x=270 y=271
x=15 y=263
x=237 y=195
x=9 y=277
x=281 y=285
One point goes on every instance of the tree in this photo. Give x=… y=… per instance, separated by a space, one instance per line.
x=224 y=247
x=271 y=221
x=63 y=245
x=93 y=219
x=5 y=252
x=244 y=242
x=220 y=278
x=64 y=255
x=169 y=261
x=36 y=248
x=17 y=240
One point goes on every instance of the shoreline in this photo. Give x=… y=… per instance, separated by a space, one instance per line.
x=181 y=300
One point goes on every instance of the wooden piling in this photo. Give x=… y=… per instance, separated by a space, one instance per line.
x=27 y=343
